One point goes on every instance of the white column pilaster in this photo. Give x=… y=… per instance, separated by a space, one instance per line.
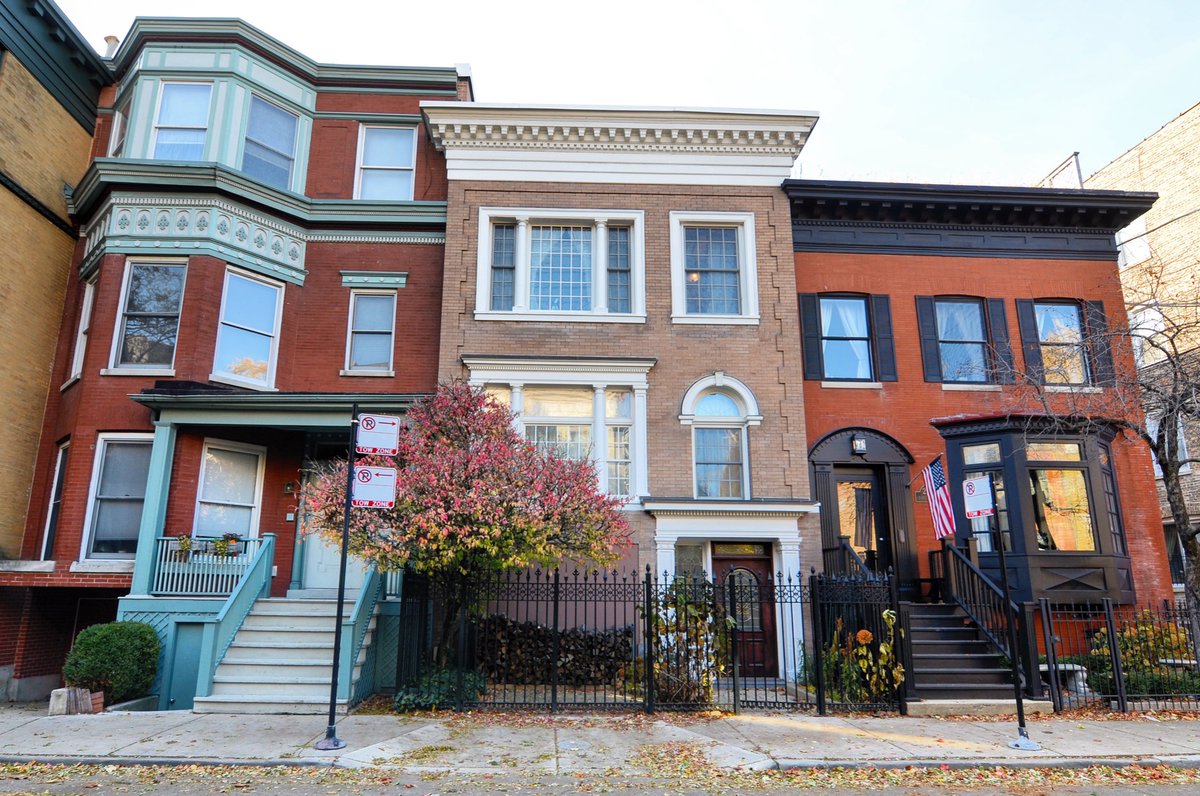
x=599 y=437
x=521 y=271
x=600 y=268
x=664 y=561
x=518 y=407
x=641 y=459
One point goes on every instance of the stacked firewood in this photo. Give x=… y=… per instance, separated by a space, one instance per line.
x=522 y=653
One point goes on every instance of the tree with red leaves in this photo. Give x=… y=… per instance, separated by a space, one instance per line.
x=472 y=497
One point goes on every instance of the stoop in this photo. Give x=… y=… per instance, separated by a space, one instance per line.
x=976 y=707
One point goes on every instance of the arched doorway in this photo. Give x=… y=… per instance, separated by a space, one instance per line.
x=860 y=476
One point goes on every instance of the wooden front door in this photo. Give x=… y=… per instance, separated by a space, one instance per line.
x=754 y=611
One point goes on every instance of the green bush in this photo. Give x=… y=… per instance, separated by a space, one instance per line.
x=119 y=658
x=438 y=689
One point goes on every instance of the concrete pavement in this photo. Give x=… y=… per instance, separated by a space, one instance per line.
x=482 y=742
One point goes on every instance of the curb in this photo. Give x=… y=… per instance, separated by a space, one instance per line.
x=1189 y=761
x=298 y=762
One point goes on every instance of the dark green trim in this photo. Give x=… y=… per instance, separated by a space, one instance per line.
x=31 y=200
x=41 y=37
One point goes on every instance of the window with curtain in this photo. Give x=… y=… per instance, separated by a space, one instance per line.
x=182 y=125
x=270 y=146
x=962 y=340
x=119 y=492
x=227 y=501
x=845 y=338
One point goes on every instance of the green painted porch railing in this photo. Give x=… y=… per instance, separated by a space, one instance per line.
x=220 y=630
x=200 y=571
x=354 y=633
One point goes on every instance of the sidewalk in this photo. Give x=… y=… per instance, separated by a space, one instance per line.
x=540 y=745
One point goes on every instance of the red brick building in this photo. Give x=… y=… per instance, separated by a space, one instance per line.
x=261 y=248
x=941 y=321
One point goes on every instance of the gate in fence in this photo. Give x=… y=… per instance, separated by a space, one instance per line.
x=609 y=640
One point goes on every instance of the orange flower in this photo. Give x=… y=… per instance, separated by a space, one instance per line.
x=864 y=637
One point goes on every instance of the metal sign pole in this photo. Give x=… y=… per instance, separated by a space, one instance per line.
x=331 y=741
x=1022 y=740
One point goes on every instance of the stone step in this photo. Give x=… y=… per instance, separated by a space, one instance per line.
x=965 y=691
x=961 y=676
x=289 y=606
x=253 y=666
x=950 y=647
x=236 y=703
x=924 y=661
x=261 y=685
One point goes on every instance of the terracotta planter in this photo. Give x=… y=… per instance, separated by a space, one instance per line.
x=97 y=701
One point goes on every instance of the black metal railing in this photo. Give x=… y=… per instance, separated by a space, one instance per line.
x=845 y=560
x=609 y=640
x=1120 y=657
x=981 y=599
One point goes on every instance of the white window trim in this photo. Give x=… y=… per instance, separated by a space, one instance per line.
x=743 y=395
x=347 y=369
x=115 y=368
x=747 y=266
x=518 y=373
x=120 y=128
x=158 y=108
x=295 y=138
x=236 y=447
x=102 y=441
x=273 y=361
x=525 y=217
x=358 y=160
x=60 y=452
x=87 y=307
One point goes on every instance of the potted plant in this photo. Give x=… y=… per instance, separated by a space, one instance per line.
x=232 y=540
x=183 y=548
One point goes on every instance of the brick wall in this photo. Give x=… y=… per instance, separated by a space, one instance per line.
x=761 y=356
x=905 y=407
x=42 y=148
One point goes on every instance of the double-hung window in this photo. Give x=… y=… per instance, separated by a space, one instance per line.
x=560 y=265
x=181 y=127
x=720 y=410
x=980 y=460
x=714 y=272
x=248 y=335
x=118 y=492
x=85 y=329
x=149 y=317
x=120 y=128
x=964 y=340
x=269 y=151
x=371 y=332
x=230 y=490
x=847 y=338
x=386 y=162
x=1066 y=343
x=56 y=496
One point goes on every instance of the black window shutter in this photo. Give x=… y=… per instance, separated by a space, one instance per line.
x=881 y=331
x=810 y=334
x=927 y=327
x=1002 y=359
x=1099 y=345
x=1030 y=346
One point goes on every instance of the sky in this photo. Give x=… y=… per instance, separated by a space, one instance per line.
x=931 y=91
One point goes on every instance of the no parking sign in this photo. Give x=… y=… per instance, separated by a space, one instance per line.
x=374 y=488
x=977 y=497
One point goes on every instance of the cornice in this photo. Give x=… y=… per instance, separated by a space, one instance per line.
x=184 y=30
x=543 y=364
x=682 y=507
x=684 y=130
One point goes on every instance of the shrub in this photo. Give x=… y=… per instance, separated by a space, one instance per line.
x=119 y=658
x=437 y=689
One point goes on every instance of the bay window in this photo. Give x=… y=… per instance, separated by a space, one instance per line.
x=248 y=334
x=269 y=150
x=149 y=316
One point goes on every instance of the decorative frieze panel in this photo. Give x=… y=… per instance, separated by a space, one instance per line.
x=198 y=226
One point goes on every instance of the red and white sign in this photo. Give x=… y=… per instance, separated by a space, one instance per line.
x=374 y=488
x=378 y=434
x=977 y=497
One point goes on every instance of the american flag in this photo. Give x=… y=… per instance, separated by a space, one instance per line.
x=939 y=499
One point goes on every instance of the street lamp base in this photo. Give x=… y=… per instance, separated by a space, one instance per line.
x=329 y=744
x=1024 y=742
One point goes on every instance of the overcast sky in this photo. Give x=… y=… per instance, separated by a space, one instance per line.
x=930 y=91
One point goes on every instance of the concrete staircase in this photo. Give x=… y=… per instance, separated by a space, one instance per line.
x=952 y=659
x=281 y=660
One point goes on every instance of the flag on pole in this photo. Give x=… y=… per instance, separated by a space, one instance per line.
x=939 y=499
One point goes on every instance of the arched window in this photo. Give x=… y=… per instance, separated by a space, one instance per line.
x=720 y=409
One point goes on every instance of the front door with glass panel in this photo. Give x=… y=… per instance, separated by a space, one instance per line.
x=747 y=569
x=862 y=516
x=319 y=572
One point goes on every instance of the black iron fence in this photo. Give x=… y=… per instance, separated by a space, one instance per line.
x=1120 y=657
x=611 y=640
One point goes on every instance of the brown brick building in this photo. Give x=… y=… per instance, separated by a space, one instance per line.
x=1160 y=271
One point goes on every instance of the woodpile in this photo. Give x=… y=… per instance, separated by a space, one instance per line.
x=522 y=653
